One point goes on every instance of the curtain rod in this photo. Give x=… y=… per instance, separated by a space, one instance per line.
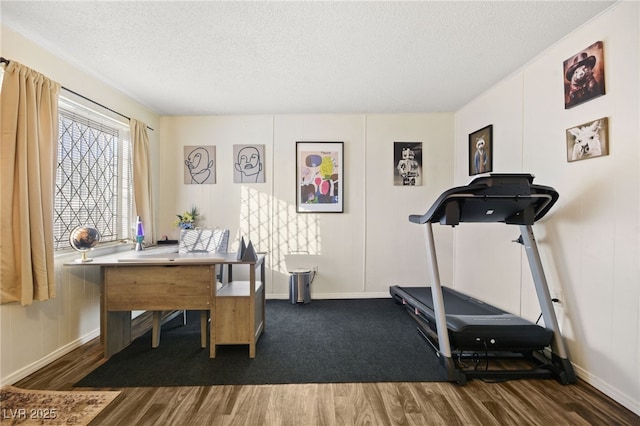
x=6 y=61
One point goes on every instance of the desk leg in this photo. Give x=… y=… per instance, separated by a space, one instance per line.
x=258 y=314
x=117 y=332
x=213 y=308
x=204 y=320
x=263 y=298
x=115 y=327
x=252 y=312
x=155 y=329
x=212 y=336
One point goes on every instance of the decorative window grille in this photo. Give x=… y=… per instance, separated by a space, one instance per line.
x=94 y=175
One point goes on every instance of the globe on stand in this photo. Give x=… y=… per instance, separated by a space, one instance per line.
x=82 y=239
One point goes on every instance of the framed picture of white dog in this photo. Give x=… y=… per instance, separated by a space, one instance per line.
x=480 y=151
x=588 y=140
x=584 y=76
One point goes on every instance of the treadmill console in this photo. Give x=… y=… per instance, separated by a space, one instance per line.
x=506 y=198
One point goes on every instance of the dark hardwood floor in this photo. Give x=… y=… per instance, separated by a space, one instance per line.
x=518 y=402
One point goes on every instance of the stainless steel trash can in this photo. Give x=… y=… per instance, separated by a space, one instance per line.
x=299 y=282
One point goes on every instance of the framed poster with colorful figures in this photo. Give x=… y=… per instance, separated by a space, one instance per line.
x=319 y=177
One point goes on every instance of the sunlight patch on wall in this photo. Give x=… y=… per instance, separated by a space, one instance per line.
x=274 y=226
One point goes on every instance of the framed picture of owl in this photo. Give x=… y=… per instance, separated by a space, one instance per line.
x=481 y=151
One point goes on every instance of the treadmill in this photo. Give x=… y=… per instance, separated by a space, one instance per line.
x=465 y=332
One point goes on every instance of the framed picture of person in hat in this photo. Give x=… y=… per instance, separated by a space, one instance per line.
x=584 y=76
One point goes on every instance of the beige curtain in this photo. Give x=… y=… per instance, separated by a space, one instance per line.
x=143 y=198
x=28 y=156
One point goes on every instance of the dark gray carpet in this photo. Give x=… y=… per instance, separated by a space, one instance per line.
x=326 y=341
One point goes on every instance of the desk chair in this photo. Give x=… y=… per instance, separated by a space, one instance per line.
x=197 y=240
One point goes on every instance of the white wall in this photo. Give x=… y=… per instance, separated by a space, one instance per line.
x=396 y=252
x=590 y=241
x=359 y=253
x=35 y=335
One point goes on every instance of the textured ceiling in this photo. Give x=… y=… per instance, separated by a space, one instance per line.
x=195 y=58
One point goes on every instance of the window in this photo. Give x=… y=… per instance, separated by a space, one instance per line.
x=94 y=175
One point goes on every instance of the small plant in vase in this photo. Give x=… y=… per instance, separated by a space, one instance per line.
x=188 y=219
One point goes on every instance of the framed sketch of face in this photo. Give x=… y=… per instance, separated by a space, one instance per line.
x=248 y=164
x=200 y=164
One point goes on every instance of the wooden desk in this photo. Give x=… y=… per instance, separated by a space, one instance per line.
x=160 y=279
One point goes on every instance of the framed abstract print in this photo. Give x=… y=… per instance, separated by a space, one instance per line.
x=319 y=177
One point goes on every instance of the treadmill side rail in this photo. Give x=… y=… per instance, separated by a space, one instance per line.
x=436 y=292
x=558 y=348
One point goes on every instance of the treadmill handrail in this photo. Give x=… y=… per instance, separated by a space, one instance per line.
x=429 y=216
x=446 y=212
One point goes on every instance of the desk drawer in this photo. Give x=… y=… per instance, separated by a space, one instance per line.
x=156 y=288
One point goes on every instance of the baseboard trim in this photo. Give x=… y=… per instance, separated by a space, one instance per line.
x=48 y=359
x=628 y=402
x=379 y=295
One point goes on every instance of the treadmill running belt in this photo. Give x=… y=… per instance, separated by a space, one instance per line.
x=474 y=325
x=455 y=303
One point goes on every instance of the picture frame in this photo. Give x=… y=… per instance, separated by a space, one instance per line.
x=319 y=177
x=407 y=164
x=481 y=151
x=248 y=163
x=199 y=164
x=583 y=75
x=588 y=140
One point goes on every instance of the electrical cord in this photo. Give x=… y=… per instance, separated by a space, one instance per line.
x=554 y=300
